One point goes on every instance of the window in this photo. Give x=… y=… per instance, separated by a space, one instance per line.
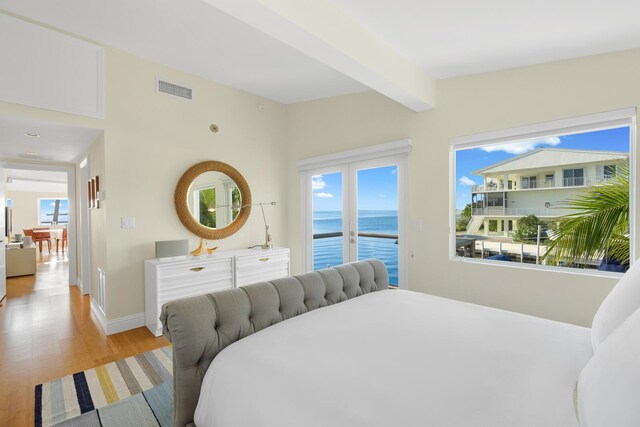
x=53 y=211
x=9 y=203
x=354 y=209
x=529 y=182
x=573 y=177
x=609 y=171
x=536 y=229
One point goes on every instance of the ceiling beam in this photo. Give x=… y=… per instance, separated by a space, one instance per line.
x=322 y=31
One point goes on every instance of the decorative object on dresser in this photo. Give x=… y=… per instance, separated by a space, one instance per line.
x=172 y=248
x=198 y=251
x=212 y=200
x=170 y=279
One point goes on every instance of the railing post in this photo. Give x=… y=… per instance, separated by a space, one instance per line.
x=500 y=248
x=481 y=249
x=521 y=252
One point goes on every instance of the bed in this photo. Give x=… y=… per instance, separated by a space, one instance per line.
x=338 y=348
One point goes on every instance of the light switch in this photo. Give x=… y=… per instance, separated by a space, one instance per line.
x=128 y=222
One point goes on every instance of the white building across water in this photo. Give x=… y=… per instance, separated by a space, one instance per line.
x=536 y=183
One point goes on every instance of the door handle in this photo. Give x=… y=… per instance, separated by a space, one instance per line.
x=352 y=240
x=263 y=259
x=196 y=269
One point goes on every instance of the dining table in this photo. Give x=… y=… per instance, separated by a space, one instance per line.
x=47 y=233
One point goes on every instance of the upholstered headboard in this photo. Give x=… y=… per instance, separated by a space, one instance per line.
x=201 y=327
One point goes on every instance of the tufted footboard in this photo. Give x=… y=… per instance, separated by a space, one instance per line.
x=201 y=327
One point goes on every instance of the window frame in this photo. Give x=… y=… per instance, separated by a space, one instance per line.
x=52 y=199
x=576 y=125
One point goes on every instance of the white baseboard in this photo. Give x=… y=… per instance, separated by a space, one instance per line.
x=120 y=324
x=125 y=323
x=97 y=311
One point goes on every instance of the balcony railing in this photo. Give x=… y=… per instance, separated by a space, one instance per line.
x=328 y=250
x=499 y=211
x=546 y=183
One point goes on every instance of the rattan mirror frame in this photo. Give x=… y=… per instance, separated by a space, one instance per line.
x=182 y=207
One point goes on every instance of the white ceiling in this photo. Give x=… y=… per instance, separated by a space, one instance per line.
x=193 y=36
x=444 y=38
x=457 y=37
x=36 y=181
x=55 y=143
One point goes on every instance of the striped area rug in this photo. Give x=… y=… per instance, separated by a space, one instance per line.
x=136 y=391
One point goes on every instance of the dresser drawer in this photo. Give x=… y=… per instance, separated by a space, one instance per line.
x=261 y=267
x=189 y=269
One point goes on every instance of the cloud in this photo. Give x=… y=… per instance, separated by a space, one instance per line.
x=317 y=183
x=394 y=171
x=382 y=196
x=523 y=146
x=324 y=195
x=464 y=180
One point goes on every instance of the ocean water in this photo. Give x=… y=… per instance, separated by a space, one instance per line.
x=328 y=251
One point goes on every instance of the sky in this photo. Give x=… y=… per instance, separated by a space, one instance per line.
x=377 y=190
x=473 y=159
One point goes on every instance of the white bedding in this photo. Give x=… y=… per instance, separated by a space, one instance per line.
x=399 y=358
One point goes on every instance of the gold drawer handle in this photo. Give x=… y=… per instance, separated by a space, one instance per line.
x=196 y=269
x=263 y=259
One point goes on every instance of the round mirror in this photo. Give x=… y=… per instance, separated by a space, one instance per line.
x=212 y=200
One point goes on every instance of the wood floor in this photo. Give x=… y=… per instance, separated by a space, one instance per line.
x=47 y=331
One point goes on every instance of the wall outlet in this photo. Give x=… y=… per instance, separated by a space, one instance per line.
x=128 y=222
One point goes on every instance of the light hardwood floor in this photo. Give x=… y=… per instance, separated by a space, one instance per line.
x=46 y=332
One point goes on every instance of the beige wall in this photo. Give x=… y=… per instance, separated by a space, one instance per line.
x=465 y=106
x=25 y=207
x=151 y=139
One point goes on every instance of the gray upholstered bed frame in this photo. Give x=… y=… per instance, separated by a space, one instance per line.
x=201 y=327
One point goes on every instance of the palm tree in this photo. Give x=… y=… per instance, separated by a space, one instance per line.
x=598 y=228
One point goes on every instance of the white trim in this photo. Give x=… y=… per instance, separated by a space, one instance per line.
x=594 y=122
x=115 y=326
x=125 y=323
x=392 y=148
x=609 y=119
x=547 y=268
x=85 y=229
x=97 y=311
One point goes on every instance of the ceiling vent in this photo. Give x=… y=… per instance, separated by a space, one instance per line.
x=163 y=86
x=35 y=157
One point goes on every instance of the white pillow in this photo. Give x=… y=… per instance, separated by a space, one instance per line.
x=623 y=300
x=609 y=386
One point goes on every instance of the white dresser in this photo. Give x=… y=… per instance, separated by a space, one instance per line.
x=170 y=279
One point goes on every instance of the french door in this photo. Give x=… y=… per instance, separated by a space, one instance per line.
x=355 y=211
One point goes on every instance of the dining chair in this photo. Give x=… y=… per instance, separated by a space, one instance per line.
x=40 y=237
x=62 y=239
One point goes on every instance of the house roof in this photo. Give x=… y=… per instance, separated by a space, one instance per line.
x=551 y=157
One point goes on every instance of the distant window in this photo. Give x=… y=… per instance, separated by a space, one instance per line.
x=529 y=182
x=609 y=171
x=570 y=172
x=573 y=177
x=9 y=203
x=53 y=211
